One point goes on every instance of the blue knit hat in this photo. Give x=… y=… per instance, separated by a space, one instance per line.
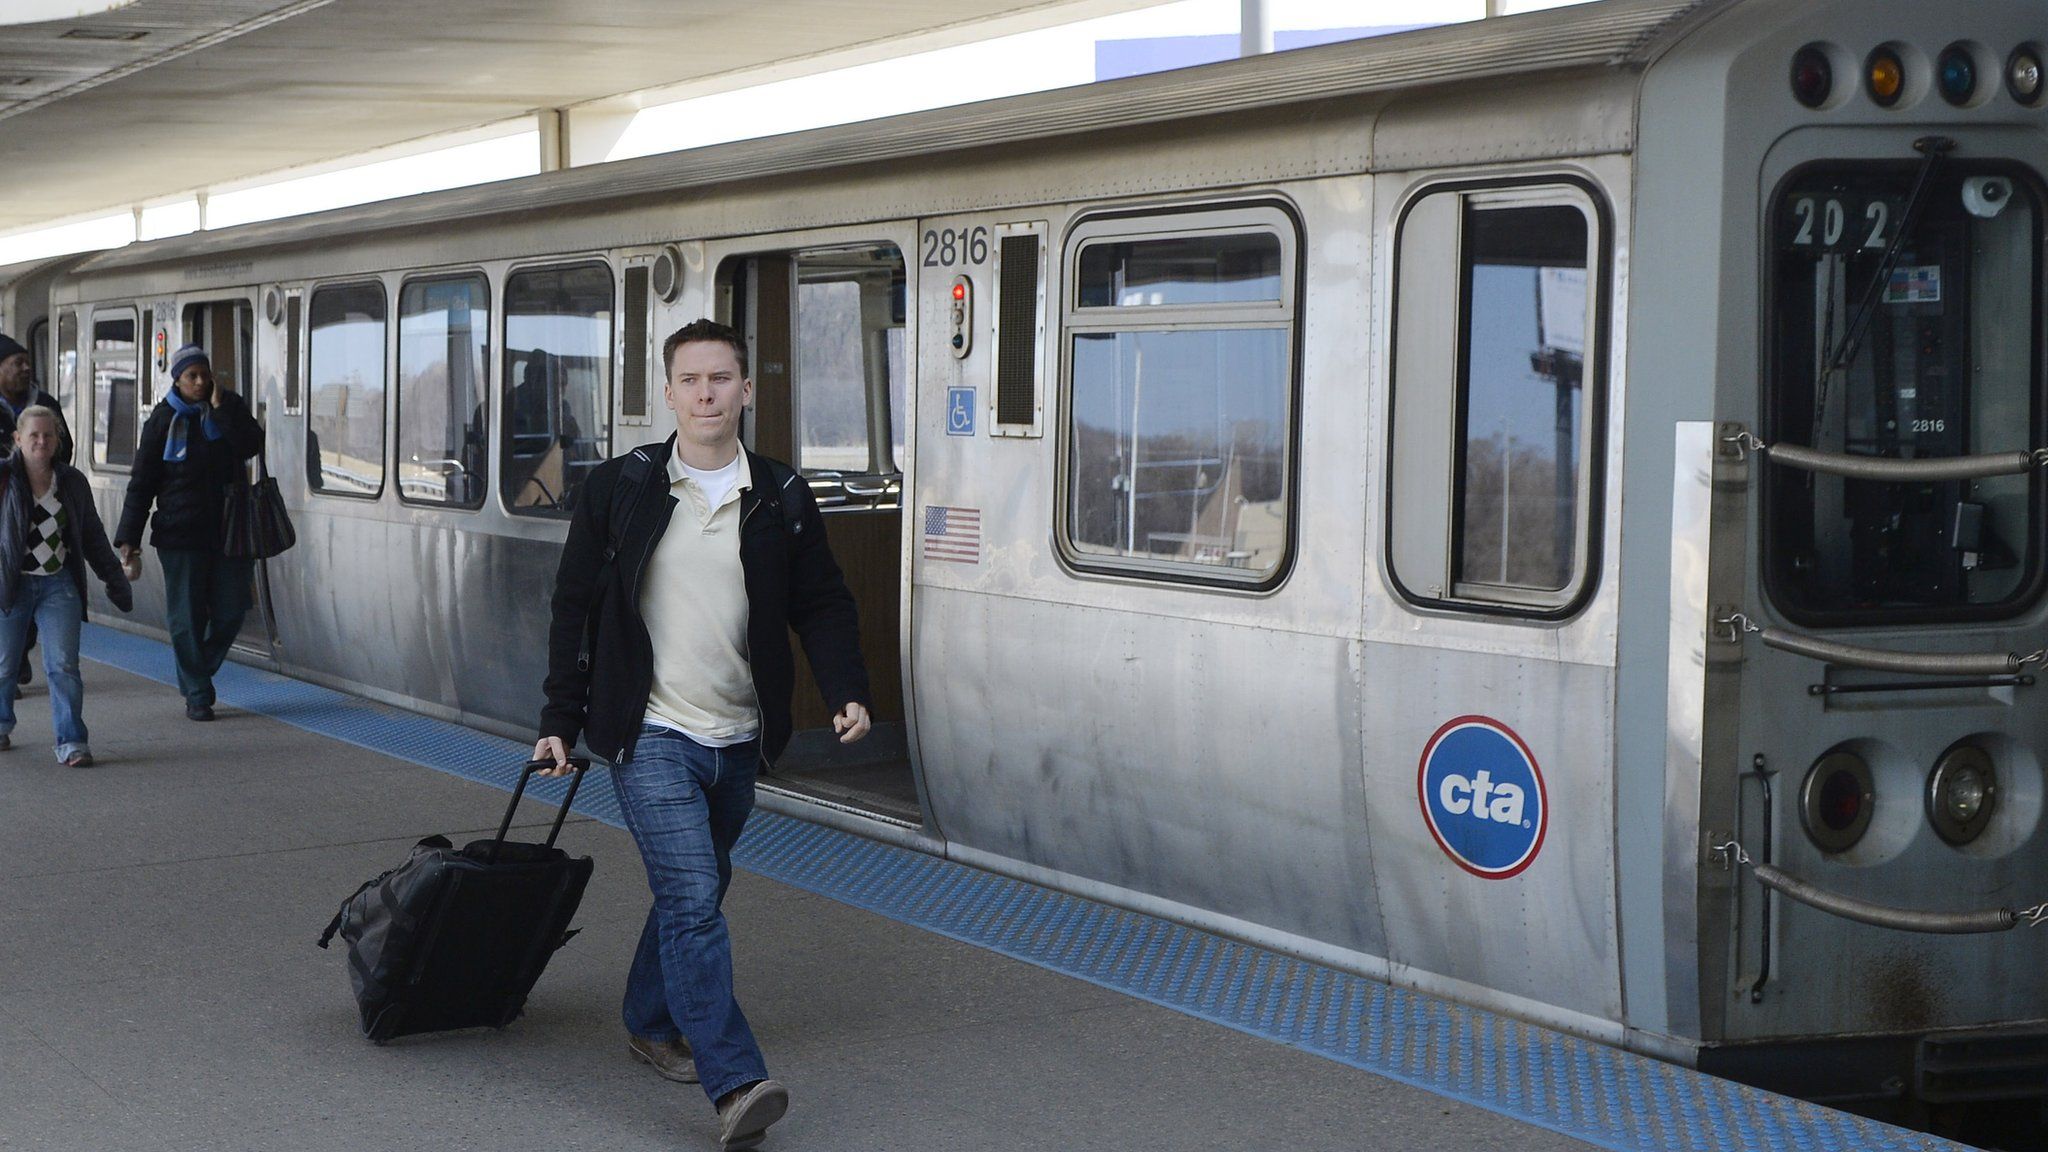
x=186 y=357
x=9 y=346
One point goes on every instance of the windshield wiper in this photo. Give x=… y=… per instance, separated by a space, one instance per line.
x=1934 y=149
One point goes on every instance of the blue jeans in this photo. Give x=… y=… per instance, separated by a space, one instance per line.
x=206 y=595
x=52 y=603
x=685 y=805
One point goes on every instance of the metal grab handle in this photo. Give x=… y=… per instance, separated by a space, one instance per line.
x=868 y=488
x=1885 y=469
x=1883 y=915
x=582 y=766
x=1882 y=660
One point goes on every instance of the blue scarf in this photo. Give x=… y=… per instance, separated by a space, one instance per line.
x=182 y=412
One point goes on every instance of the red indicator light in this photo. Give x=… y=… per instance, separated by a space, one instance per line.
x=1813 y=78
x=959 y=291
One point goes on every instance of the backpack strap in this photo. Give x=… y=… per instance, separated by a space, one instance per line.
x=789 y=489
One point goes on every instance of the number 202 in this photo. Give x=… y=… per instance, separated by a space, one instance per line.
x=950 y=247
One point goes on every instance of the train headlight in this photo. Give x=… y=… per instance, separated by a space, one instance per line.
x=1962 y=793
x=1813 y=77
x=1955 y=73
x=2023 y=75
x=1837 y=799
x=1884 y=75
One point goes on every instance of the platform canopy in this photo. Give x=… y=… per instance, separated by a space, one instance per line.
x=104 y=104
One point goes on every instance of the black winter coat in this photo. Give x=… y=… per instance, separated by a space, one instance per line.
x=38 y=396
x=792 y=583
x=84 y=537
x=191 y=494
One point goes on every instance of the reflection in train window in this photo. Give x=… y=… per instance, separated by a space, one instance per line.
x=1904 y=331
x=444 y=328
x=345 y=405
x=114 y=372
x=557 y=378
x=1490 y=491
x=1181 y=393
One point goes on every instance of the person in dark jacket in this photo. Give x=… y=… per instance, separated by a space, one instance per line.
x=686 y=567
x=192 y=449
x=18 y=390
x=49 y=532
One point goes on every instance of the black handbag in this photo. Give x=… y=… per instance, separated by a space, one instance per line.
x=254 y=524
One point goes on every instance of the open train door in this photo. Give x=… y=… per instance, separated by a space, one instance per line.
x=826 y=325
x=226 y=328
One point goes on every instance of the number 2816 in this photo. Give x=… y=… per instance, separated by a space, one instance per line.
x=951 y=247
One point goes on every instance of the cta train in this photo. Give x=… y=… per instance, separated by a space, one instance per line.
x=1546 y=511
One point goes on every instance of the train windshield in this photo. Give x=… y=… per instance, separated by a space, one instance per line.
x=1905 y=330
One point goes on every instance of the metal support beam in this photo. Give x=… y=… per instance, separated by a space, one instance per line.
x=1255 y=28
x=554 y=138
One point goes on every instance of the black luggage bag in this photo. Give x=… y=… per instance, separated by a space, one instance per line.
x=455 y=938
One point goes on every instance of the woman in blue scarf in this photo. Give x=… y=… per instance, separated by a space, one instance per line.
x=192 y=446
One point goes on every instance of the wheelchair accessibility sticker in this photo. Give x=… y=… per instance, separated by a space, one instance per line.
x=1483 y=797
x=959 y=411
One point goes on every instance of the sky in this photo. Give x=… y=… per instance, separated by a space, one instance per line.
x=1004 y=66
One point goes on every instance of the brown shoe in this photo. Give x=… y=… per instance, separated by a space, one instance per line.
x=746 y=1113
x=671 y=1058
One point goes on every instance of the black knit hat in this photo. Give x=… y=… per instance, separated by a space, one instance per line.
x=9 y=346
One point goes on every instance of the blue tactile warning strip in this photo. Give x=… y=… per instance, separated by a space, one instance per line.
x=1601 y=1095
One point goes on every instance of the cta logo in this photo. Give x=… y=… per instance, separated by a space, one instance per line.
x=1482 y=797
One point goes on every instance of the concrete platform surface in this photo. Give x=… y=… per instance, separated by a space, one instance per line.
x=159 y=988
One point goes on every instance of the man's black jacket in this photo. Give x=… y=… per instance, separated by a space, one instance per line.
x=792 y=583
x=37 y=396
x=189 y=494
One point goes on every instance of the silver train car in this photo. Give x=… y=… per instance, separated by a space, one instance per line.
x=1461 y=506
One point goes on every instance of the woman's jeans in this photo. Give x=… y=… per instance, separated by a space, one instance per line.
x=206 y=595
x=685 y=805
x=53 y=604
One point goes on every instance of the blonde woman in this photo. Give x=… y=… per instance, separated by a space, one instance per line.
x=49 y=532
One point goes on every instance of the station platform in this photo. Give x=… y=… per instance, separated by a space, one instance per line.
x=160 y=989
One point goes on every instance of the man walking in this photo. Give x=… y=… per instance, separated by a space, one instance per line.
x=687 y=564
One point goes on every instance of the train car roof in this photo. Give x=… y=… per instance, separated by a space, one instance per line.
x=1616 y=34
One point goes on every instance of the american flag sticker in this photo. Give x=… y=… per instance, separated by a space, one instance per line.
x=952 y=534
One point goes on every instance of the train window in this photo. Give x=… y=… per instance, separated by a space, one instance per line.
x=64 y=380
x=1904 y=331
x=115 y=369
x=444 y=342
x=38 y=354
x=345 y=404
x=1180 y=386
x=849 y=362
x=1490 y=488
x=557 y=381
x=227 y=330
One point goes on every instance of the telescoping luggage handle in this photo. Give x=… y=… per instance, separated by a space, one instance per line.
x=580 y=763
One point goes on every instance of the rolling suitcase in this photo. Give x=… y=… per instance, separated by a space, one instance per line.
x=455 y=938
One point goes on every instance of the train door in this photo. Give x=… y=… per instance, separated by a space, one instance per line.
x=227 y=330
x=826 y=329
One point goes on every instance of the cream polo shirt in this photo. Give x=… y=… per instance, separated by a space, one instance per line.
x=694 y=601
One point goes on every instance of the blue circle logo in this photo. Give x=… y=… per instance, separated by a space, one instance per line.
x=1482 y=797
